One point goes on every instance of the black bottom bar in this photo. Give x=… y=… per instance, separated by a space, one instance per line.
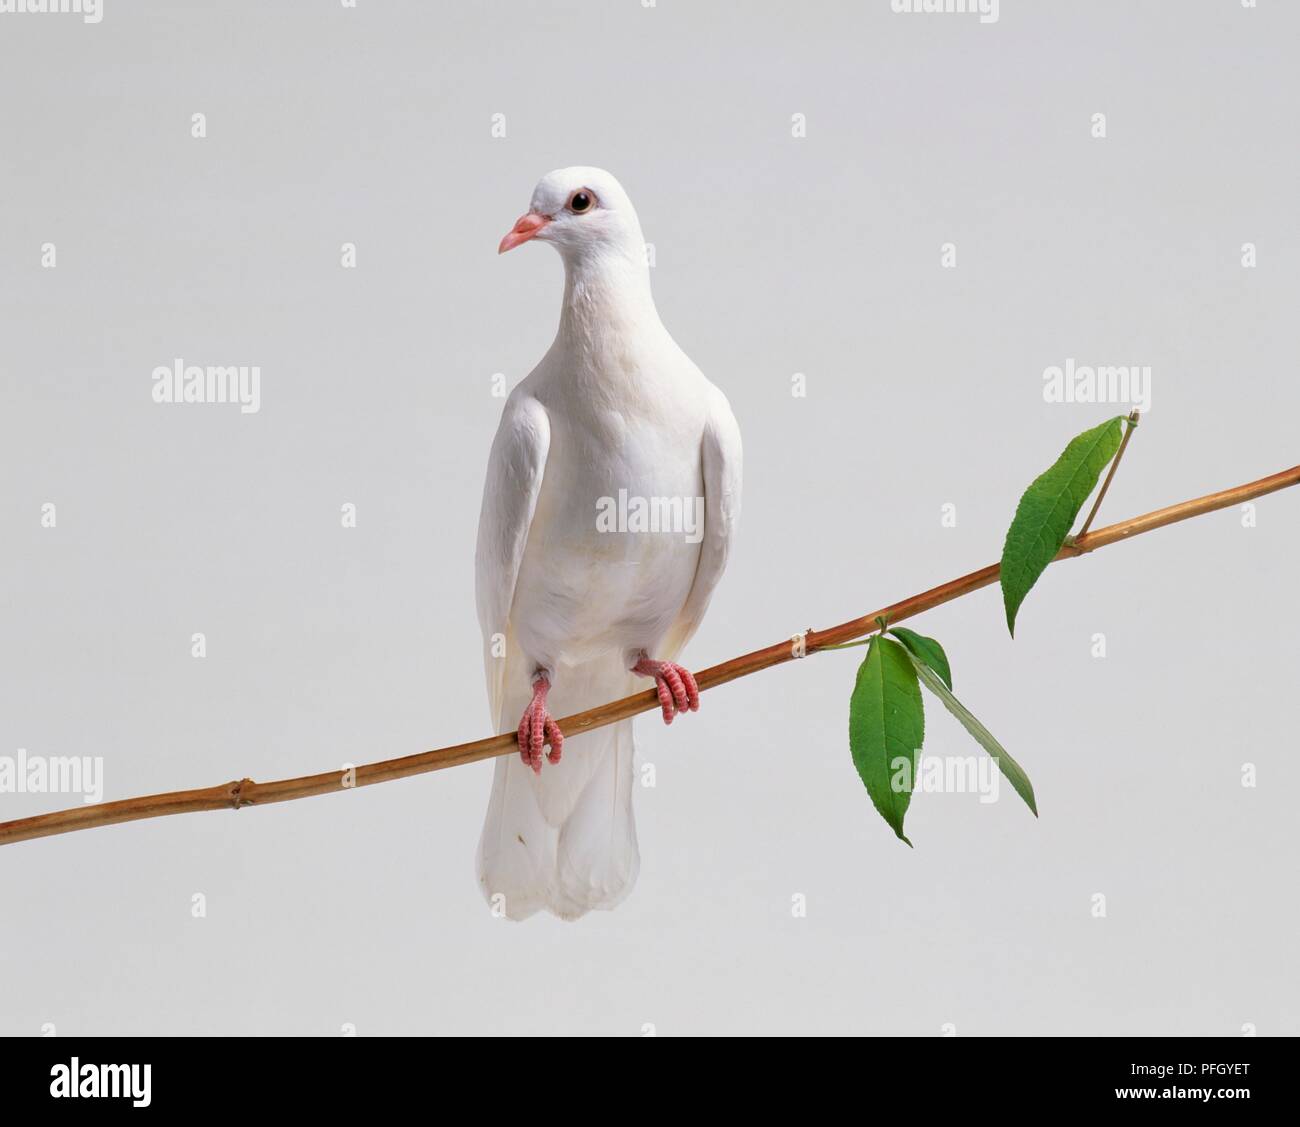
x=337 y=1075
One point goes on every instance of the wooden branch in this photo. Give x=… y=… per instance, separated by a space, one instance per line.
x=245 y=792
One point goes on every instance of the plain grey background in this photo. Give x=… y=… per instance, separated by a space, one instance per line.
x=775 y=254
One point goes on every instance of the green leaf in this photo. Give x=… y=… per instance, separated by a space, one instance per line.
x=1048 y=508
x=1009 y=767
x=886 y=728
x=927 y=649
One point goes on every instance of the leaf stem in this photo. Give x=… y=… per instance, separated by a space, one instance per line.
x=882 y=620
x=1132 y=421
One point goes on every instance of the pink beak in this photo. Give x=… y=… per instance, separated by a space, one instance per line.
x=528 y=227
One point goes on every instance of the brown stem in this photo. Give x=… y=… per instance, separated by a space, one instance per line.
x=245 y=792
x=1114 y=465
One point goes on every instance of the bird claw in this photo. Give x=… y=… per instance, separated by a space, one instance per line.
x=675 y=685
x=537 y=729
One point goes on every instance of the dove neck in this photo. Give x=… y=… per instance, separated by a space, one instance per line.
x=606 y=293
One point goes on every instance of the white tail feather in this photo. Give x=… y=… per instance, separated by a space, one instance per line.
x=597 y=859
x=564 y=840
x=516 y=854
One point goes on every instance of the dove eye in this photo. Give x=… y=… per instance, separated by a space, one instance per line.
x=581 y=200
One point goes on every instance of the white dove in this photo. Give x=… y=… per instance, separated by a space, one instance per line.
x=574 y=602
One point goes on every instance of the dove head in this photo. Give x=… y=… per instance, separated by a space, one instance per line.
x=584 y=213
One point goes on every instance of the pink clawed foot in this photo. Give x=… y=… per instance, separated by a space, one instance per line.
x=675 y=684
x=537 y=729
